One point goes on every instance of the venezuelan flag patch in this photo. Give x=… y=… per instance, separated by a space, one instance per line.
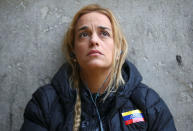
x=132 y=116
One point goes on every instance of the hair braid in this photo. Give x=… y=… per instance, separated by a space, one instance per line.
x=77 y=112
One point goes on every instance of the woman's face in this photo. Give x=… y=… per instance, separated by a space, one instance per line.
x=94 y=44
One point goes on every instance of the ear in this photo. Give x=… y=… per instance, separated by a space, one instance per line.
x=72 y=54
x=119 y=54
x=73 y=57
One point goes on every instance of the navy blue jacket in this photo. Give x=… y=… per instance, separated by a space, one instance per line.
x=52 y=106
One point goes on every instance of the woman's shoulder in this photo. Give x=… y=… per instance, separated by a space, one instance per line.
x=156 y=111
x=46 y=92
x=42 y=100
x=145 y=96
x=39 y=106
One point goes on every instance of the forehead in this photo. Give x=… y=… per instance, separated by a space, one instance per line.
x=94 y=19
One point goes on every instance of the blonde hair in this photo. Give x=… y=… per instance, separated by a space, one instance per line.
x=120 y=54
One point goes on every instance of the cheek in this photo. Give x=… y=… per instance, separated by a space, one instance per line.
x=110 y=48
x=80 y=49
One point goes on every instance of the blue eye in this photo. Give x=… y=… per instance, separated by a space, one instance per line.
x=83 y=34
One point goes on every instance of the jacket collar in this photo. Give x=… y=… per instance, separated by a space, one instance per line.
x=61 y=84
x=130 y=74
x=132 y=78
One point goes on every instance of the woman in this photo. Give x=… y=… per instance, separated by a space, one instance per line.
x=97 y=89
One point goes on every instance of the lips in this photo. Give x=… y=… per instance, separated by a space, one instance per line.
x=93 y=52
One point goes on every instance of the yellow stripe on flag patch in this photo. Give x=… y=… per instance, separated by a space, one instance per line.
x=131 y=112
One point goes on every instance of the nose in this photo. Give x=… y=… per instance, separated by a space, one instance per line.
x=94 y=40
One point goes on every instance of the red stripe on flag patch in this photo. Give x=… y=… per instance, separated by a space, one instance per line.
x=135 y=120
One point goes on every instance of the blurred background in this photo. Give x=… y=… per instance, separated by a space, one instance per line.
x=159 y=34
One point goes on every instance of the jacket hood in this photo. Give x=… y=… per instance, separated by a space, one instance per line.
x=132 y=78
x=130 y=74
x=61 y=84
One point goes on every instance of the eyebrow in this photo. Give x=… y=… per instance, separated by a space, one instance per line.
x=104 y=28
x=101 y=27
x=83 y=28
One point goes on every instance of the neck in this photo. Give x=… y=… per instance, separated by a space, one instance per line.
x=96 y=80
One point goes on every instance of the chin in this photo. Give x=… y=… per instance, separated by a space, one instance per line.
x=98 y=64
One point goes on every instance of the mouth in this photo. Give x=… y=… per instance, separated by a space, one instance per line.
x=94 y=52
